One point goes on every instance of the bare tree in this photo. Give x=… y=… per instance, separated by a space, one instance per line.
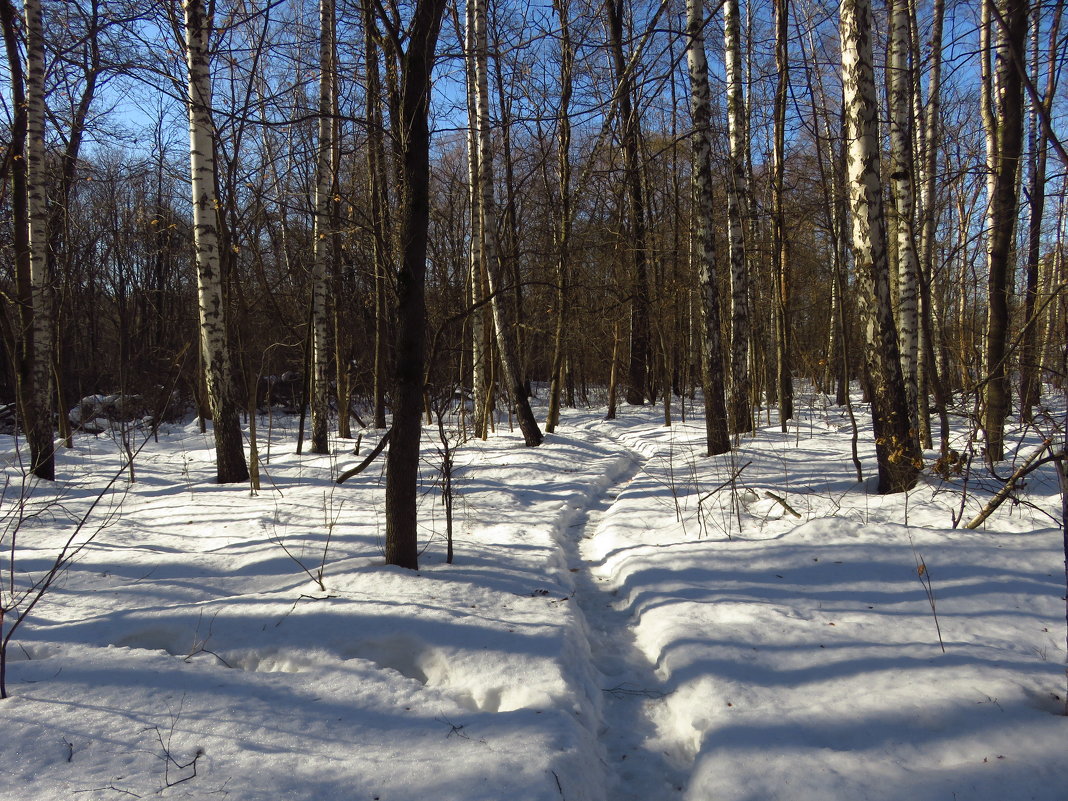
x=1036 y=196
x=901 y=177
x=717 y=435
x=29 y=337
x=416 y=64
x=564 y=224
x=738 y=201
x=214 y=337
x=503 y=316
x=325 y=189
x=781 y=281
x=1003 y=119
x=630 y=138
x=898 y=458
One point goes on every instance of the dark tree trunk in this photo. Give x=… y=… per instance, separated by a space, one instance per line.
x=630 y=136
x=402 y=463
x=1004 y=119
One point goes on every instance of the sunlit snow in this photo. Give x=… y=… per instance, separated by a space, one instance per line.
x=622 y=622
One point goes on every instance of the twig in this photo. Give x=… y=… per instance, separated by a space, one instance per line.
x=1028 y=466
x=924 y=576
x=622 y=691
x=370 y=458
x=782 y=502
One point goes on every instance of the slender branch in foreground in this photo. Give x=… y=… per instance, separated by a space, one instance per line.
x=370 y=458
x=1028 y=466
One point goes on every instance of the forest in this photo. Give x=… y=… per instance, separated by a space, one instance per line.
x=381 y=207
x=575 y=400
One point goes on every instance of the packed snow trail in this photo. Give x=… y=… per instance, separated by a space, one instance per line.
x=637 y=767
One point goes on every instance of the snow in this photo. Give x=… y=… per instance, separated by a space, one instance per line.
x=622 y=622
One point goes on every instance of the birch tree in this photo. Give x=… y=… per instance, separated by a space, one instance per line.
x=481 y=389
x=214 y=338
x=503 y=317
x=898 y=459
x=901 y=177
x=932 y=350
x=325 y=189
x=38 y=407
x=738 y=201
x=717 y=436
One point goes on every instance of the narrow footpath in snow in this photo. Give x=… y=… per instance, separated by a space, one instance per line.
x=637 y=768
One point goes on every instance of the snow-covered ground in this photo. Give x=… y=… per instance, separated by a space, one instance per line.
x=623 y=622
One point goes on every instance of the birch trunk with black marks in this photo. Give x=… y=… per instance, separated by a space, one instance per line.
x=1003 y=118
x=898 y=459
x=18 y=332
x=480 y=348
x=716 y=431
x=503 y=318
x=214 y=338
x=325 y=177
x=39 y=408
x=738 y=202
x=933 y=351
x=903 y=185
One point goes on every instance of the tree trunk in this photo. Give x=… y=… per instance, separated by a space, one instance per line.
x=402 y=463
x=18 y=333
x=933 y=350
x=324 y=193
x=630 y=136
x=1030 y=383
x=503 y=321
x=39 y=411
x=738 y=201
x=781 y=302
x=901 y=176
x=1004 y=122
x=381 y=233
x=898 y=460
x=214 y=338
x=717 y=435
x=563 y=236
x=480 y=349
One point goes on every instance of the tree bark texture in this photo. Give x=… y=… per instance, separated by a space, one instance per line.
x=903 y=184
x=1030 y=369
x=738 y=202
x=480 y=347
x=39 y=410
x=563 y=235
x=781 y=302
x=716 y=429
x=898 y=460
x=214 y=338
x=325 y=178
x=1004 y=121
x=402 y=463
x=630 y=135
x=503 y=318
